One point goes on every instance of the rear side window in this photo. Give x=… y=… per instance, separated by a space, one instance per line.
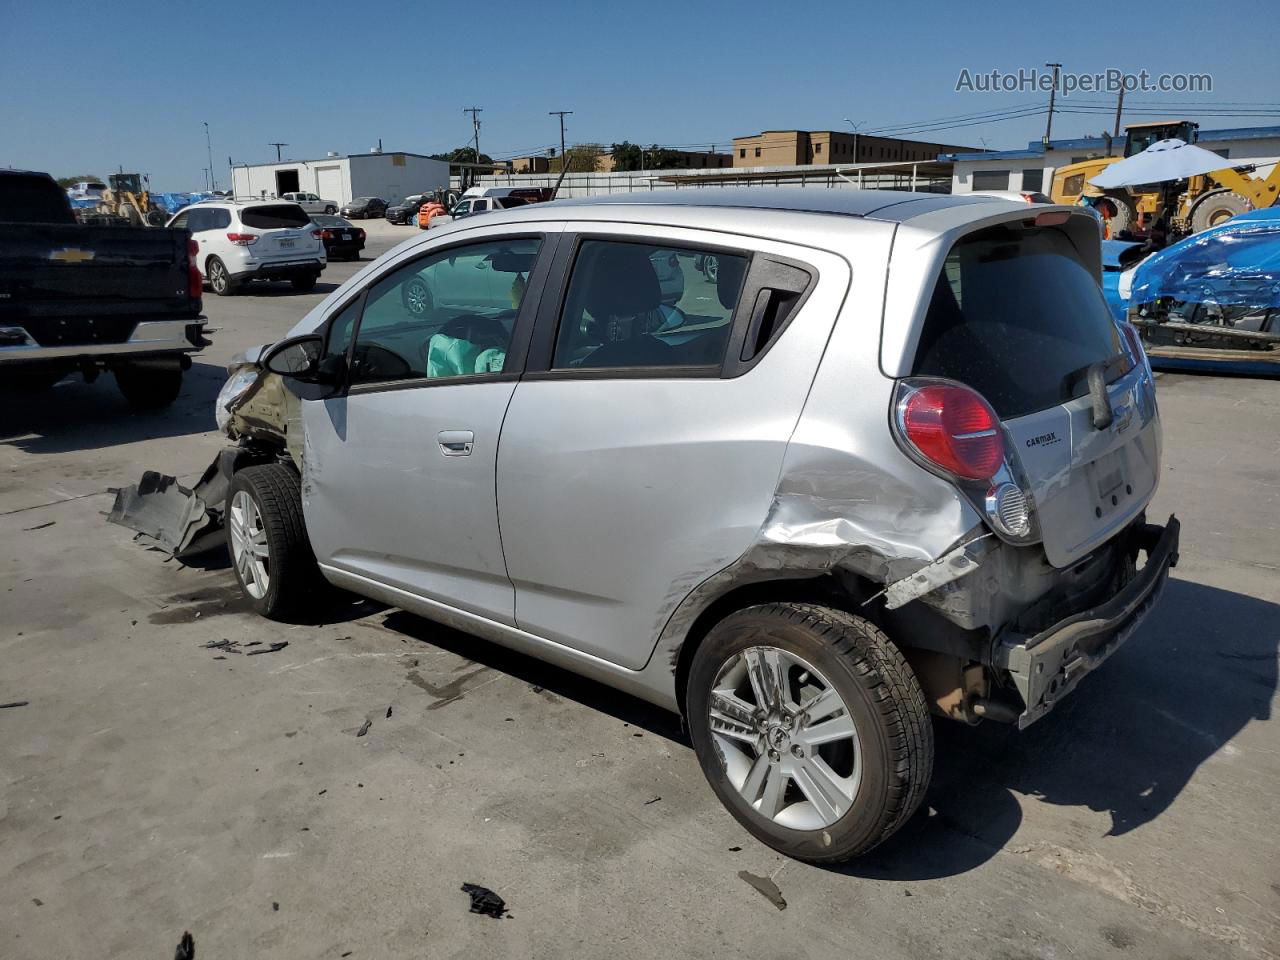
x=1018 y=317
x=33 y=199
x=643 y=305
x=274 y=217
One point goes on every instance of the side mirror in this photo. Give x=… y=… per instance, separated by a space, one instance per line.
x=298 y=358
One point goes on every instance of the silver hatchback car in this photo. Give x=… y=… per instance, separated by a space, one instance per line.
x=891 y=458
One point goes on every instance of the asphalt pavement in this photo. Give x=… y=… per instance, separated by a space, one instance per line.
x=153 y=784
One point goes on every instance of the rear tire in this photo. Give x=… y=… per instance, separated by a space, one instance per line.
x=1126 y=213
x=305 y=284
x=267 y=539
x=330 y=210
x=850 y=772
x=149 y=388
x=220 y=281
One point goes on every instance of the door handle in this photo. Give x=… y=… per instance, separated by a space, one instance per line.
x=456 y=443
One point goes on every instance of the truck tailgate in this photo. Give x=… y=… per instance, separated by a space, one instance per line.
x=72 y=283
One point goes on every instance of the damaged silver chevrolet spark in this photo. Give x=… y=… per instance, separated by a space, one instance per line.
x=802 y=465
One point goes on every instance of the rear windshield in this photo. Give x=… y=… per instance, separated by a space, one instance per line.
x=33 y=199
x=275 y=216
x=322 y=220
x=1018 y=317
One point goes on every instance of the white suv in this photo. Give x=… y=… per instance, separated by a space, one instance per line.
x=311 y=202
x=253 y=240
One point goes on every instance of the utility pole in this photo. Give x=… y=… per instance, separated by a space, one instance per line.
x=475 y=123
x=277 y=146
x=1048 y=127
x=561 y=114
x=209 y=147
x=1115 y=134
x=206 y=178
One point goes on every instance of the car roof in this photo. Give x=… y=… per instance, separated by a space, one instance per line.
x=892 y=205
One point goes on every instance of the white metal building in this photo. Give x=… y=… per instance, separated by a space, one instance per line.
x=388 y=175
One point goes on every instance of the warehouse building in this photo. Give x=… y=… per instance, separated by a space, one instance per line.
x=798 y=147
x=343 y=178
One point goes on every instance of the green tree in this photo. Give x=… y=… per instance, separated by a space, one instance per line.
x=65 y=182
x=582 y=158
x=626 y=156
x=462 y=155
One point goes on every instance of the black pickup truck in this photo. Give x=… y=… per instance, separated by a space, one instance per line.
x=81 y=298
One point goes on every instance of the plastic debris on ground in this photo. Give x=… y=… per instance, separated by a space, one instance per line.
x=485 y=901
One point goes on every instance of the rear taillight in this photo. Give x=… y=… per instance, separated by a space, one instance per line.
x=953 y=428
x=320 y=234
x=243 y=239
x=195 y=282
x=359 y=234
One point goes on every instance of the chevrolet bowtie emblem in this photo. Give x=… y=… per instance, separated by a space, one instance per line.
x=71 y=255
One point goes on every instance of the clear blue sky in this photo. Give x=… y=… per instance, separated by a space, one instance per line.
x=82 y=95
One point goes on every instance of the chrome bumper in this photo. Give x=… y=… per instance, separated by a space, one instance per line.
x=1047 y=667
x=149 y=336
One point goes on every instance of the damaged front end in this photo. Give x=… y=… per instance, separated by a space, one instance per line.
x=257 y=411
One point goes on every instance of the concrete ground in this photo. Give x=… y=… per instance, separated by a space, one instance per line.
x=153 y=786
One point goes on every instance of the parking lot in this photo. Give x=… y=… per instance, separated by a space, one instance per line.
x=154 y=785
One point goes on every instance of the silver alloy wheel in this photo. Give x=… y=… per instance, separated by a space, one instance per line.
x=417 y=297
x=249 y=545
x=786 y=738
x=217 y=276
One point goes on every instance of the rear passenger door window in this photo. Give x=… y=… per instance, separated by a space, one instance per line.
x=648 y=305
x=448 y=315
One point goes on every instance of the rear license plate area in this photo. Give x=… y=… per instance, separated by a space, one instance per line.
x=286 y=242
x=1108 y=479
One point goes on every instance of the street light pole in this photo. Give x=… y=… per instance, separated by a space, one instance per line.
x=855 y=135
x=208 y=144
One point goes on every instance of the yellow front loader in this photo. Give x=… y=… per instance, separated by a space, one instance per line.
x=1190 y=206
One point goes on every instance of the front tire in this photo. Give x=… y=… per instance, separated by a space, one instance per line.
x=1215 y=207
x=811 y=728
x=270 y=552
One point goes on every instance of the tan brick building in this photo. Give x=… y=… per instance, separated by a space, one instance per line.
x=786 y=148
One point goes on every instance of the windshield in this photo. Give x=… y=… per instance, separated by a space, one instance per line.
x=1017 y=316
x=275 y=216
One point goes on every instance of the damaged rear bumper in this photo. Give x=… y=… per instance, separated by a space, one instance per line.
x=1047 y=666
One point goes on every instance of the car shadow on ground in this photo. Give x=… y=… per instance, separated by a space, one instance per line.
x=74 y=415
x=543 y=675
x=283 y=288
x=1125 y=743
